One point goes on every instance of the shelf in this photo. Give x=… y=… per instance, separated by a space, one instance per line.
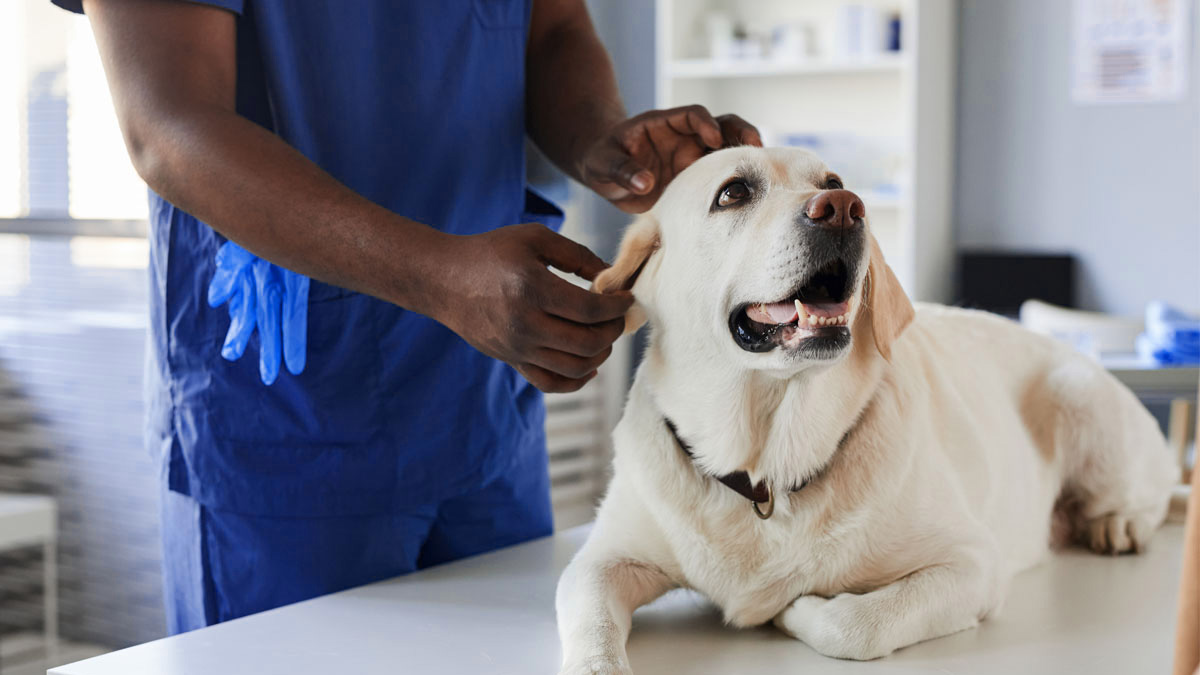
x=904 y=98
x=711 y=68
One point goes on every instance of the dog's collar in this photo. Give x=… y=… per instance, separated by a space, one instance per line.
x=762 y=499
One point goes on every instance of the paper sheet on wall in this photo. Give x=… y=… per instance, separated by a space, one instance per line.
x=1131 y=51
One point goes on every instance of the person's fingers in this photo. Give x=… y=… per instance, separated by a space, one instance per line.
x=270 y=305
x=737 y=131
x=568 y=365
x=683 y=156
x=552 y=383
x=636 y=205
x=613 y=164
x=575 y=338
x=561 y=253
x=295 y=321
x=697 y=121
x=562 y=298
x=242 y=318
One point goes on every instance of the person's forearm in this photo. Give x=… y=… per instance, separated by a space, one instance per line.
x=571 y=91
x=255 y=189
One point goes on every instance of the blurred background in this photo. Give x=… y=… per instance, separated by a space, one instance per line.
x=1007 y=152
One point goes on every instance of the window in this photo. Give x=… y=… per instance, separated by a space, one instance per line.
x=61 y=152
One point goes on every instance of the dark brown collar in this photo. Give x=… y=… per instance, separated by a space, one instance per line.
x=739 y=481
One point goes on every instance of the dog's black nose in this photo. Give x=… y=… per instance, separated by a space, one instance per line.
x=835 y=208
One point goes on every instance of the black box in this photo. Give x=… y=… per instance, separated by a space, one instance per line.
x=999 y=281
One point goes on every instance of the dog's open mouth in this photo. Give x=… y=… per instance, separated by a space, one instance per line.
x=819 y=308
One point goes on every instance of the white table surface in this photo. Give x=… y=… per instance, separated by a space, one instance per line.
x=1078 y=613
x=1152 y=379
x=25 y=520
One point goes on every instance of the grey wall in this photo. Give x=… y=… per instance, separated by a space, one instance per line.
x=1118 y=185
x=627 y=29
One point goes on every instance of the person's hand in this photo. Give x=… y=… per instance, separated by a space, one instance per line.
x=495 y=290
x=632 y=163
x=260 y=295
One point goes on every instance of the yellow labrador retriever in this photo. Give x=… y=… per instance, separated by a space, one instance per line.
x=801 y=446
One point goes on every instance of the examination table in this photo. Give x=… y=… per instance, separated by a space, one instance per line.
x=493 y=614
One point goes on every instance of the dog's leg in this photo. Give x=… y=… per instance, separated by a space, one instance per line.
x=1117 y=470
x=597 y=595
x=929 y=603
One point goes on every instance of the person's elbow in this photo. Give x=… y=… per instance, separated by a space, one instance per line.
x=148 y=152
x=159 y=140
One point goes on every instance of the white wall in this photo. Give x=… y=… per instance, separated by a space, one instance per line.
x=1118 y=185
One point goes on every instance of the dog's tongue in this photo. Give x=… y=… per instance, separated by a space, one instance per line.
x=775 y=312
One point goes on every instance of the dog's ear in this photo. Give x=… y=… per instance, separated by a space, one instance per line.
x=641 y=240
x=890 y=309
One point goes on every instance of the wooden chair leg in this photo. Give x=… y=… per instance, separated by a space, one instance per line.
x=1187 y=630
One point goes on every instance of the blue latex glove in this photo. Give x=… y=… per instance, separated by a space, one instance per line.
x=266 y=297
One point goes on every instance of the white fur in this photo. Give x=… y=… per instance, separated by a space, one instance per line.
x=958 y=449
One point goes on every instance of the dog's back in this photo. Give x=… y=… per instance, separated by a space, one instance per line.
x=1027 y=422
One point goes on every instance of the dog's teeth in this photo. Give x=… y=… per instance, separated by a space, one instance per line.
x=812 y=320
x=801 y=312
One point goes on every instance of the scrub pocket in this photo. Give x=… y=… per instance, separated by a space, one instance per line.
x=333 y=402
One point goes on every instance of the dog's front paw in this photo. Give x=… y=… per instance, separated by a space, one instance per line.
x=834 y=627
x=596 y=666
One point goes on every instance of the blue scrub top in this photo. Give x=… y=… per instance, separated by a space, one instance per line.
x=419 y=107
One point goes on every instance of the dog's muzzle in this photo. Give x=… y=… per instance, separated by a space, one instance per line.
x=813 y=318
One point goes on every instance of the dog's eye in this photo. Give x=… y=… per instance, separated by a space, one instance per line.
x=832 y=182
x=733 y=193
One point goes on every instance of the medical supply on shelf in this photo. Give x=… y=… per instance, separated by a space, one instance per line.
x=1171 y=337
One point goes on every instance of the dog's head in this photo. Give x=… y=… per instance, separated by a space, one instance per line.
x=765 y=254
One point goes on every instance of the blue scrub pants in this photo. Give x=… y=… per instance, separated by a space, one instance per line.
x=220 y=565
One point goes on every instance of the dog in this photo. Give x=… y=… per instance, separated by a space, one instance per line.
x=802 y=445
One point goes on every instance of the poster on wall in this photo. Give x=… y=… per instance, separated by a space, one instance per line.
x=1131 y=51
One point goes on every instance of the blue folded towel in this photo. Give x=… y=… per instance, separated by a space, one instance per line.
x=1171 y=337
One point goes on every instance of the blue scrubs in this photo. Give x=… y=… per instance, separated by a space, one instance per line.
x=399 y=445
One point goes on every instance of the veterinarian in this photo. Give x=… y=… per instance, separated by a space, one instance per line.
x=376 y=148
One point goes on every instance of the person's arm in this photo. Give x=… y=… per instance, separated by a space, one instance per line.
x=171 y=67
x=575 y=114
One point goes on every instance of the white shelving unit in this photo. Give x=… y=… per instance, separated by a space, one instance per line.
x=711 y=68
x=905 y=99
